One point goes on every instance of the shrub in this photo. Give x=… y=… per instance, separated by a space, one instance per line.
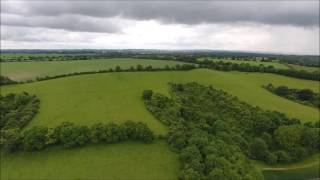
x=35 y=138
x=10 y=139
x=147 y=94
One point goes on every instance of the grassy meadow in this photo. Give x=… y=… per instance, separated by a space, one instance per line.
x=116 y=161
x=20 y=71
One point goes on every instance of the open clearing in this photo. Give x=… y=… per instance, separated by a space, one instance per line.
x=88 y=99
x=253 y=63
x=113 y=161
x=20 y=71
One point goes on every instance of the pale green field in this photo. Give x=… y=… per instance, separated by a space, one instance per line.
x=130 y=160
x=20 y=71
x=304 y=68
x=253 y=63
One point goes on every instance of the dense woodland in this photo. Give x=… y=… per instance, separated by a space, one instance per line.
x=17 y=110
x=303 y=96
x=216 y=134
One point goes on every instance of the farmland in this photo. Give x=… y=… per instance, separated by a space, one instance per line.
x=116 y=97
x=303 y=68
x=27 y=70
x=131 y=159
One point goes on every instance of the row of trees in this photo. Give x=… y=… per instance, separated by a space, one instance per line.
x=70 y=135
x=304 y=96
x=246 y=67
x=216 y=134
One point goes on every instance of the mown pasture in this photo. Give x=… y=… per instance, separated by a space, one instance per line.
x=116 y=161
x=88 y=99
x=20 y=71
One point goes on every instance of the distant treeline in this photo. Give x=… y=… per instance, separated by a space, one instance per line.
x=303 y=96
x=42 y=55
x=215 y=134
x=220 y=65
x=245 y=67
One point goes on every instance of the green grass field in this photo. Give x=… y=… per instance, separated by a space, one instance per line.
x=88 y=99
x=297 y=174
x=117 y=161
x=253 y=63
x=20 y=71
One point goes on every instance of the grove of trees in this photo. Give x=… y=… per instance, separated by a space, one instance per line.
x=304 y=96
x=215 y=134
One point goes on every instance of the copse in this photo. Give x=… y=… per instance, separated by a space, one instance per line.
x=215 y=134
x=303 y=96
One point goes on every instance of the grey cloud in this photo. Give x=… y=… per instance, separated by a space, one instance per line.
x=66 y=22
x=297 y=13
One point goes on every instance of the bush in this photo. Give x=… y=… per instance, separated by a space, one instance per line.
x=147 y=94
x=10 y=139
x=35 y=138
x=259 y=149
x=271 y=158
x=71 y=136
x=283 y=157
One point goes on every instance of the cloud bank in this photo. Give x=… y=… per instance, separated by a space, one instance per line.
x=279 y=26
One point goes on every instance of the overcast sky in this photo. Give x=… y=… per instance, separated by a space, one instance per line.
x=274 y=26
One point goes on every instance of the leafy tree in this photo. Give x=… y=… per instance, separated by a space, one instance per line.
x=283 y=156
x=259 y=149
x=267 y=138
x=282 y=90
x=139 y=67
x=288 y=136
x=271 y=158
x=35 y=138
x=305 y=94
x=216 y=174
x=190 y=174
x=10 y=139
x=311 y=138
x=118 y=69
x=147 y=94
